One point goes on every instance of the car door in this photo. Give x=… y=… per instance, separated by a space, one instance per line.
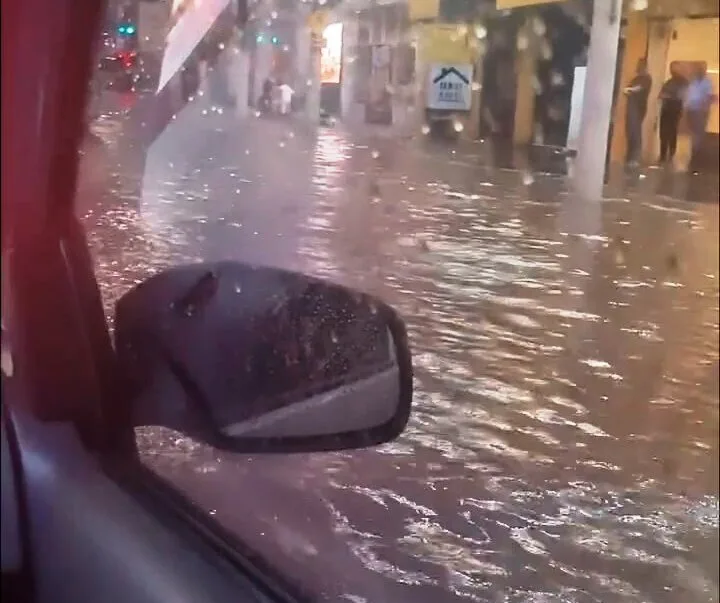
x=91 y=536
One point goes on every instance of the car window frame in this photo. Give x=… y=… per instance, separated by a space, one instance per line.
x=173 y=507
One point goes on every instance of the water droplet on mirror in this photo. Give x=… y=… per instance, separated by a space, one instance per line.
x=375 y=154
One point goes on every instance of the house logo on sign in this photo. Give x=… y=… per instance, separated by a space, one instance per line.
x=450 y=87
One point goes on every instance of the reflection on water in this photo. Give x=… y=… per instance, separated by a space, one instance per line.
x=564 y=445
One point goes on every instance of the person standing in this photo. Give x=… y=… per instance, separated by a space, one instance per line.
x=672 y=95
x=266 y=96
x=698 y=100
x=286 y=94
x=637 y=100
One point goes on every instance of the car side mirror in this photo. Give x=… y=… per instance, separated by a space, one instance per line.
x=256 y=359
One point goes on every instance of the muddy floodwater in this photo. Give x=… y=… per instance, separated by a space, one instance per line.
x=564 y=440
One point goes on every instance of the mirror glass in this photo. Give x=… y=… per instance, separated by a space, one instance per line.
x=262 y=353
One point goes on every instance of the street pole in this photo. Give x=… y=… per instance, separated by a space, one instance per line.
x=588 y=173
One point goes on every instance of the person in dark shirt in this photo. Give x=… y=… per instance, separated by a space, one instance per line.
x=637 y=100
x=672 y=96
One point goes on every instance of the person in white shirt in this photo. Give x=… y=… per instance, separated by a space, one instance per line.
x=699 y=99
x=286 y=94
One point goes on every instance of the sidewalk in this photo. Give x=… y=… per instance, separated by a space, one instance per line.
x=201 y=129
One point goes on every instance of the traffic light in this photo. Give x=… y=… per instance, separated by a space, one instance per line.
x=127 y=29
x=260 y=39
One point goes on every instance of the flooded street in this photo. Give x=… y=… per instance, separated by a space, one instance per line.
x=564 y=441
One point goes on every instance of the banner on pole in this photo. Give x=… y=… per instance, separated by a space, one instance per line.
x=423 y=10
x=506 y=4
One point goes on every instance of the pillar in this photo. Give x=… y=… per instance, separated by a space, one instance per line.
x=302 y=54
x=419 y=90
x=588 y=173
x=474 y=120
x=312 y=106
x=659 y=33
x=349 y=67
x=239 y=77
x=526 y=69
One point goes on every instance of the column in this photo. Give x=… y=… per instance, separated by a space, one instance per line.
x=347 y=77
x=526 y=69
x=479 y=48
x=312 y=106
x=302 y=54
x=588 y=173
x=420 y=84
x=239 y=77
x=659 y=34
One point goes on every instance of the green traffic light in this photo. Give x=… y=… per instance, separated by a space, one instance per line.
x=126 y=30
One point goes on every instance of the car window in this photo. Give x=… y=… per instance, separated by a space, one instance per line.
x=564 y=438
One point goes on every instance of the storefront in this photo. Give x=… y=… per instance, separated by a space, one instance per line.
x=666 y=34
x=378 y=64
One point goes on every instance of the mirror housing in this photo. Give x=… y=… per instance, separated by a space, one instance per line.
x=256 y=359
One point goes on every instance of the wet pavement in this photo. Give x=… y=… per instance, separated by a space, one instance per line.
x=564 y=442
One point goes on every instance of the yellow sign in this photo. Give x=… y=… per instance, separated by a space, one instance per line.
x=318 y=20
x=505 y=4
x=419 y=10
x=442 y=43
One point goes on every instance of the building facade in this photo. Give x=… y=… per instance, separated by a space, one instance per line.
x=664 y=33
